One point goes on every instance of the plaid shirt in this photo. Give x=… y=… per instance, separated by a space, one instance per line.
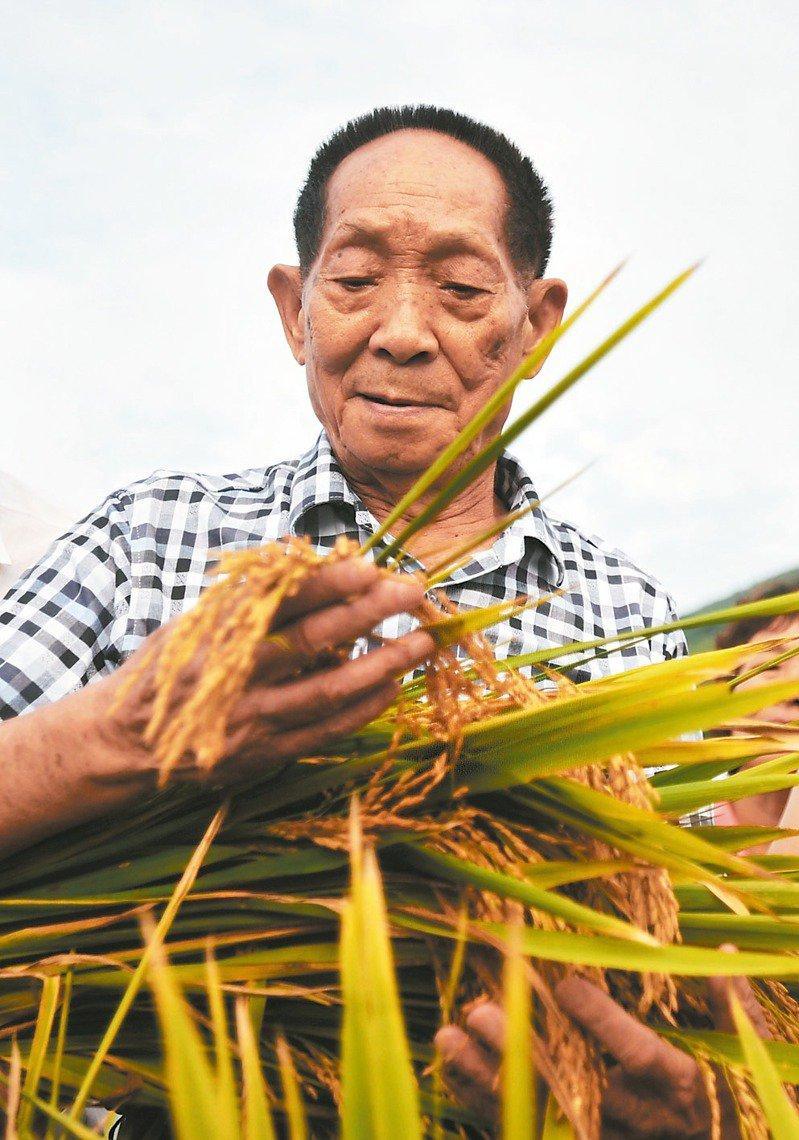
x=144 y=556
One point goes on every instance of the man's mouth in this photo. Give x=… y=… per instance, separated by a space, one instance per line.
x=399 y=402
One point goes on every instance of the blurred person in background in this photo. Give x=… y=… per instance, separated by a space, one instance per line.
x=780 y=808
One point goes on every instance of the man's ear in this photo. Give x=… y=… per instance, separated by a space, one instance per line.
x=546 y=300
x=285 y=285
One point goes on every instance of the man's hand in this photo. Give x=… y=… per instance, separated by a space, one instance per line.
x=293 y=705
x=85 y=754
x=653 y=1090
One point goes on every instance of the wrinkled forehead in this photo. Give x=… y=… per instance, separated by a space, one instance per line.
x=415 y=184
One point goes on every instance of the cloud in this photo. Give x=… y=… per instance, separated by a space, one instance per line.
x=159 y=147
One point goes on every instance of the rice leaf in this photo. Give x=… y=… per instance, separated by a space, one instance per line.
x=225 y=1079
x=738 y=837
x=615 y=954
x=679 y=801
x=137 y=978
x=769 y=607
x=257 y=1123
x=376 y=1063
x=781 y=1115
x=194 y=1100
x=48 y=1004
x=453 y=628
x=588 y=728
x=295 y=1111
x=492 y=450
x=55 y=1074
x=355 y=1099
x=65 y=1123
x=457 y=557
x=556 y=1125
x=518 y=1071
x=524 y=891
x=14 y=1091
x=727 y=1049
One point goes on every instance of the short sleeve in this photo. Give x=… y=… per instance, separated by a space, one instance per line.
x=59 y=622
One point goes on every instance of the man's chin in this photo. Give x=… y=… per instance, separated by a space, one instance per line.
x=407 y=465
x=400 y=451
x=394 y=458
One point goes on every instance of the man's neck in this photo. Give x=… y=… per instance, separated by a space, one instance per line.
x=467 y=516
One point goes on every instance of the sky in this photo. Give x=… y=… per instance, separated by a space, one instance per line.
x=150 y=156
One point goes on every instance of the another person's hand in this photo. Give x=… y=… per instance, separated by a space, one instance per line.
x=653 y=1090
x=292 y=706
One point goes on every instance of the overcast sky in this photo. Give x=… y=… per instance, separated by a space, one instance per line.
x=151 y=154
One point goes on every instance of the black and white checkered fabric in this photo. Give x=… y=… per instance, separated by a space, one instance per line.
x=144 y=555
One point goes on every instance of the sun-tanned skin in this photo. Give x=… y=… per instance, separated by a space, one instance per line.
x=768 y=809
x=410 y=317
x=654 y=1089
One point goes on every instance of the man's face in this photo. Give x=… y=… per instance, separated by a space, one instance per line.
x=413 y=313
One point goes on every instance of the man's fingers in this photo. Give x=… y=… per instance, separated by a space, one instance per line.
x=486 y=1022
x=299 y=702
x=719 y=991
x=470 y=1074
x=327 y=730
x=297 y=644
x=637 y=1048
x=331 y=582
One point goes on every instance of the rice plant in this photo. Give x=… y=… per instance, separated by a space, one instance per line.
x=277 y=962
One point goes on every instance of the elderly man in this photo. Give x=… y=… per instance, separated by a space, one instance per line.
x=423 y=238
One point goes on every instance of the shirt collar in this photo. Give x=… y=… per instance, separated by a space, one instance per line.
x=319 y=483
x=515 y=488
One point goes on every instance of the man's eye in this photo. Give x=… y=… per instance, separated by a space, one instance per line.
x=463 y=291
x=355 y=283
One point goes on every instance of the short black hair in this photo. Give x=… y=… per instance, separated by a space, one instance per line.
x=529 y=219
x=744 y=629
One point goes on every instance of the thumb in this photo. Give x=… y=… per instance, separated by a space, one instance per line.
x=720 y=992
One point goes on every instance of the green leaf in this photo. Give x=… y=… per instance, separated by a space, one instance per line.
x=295 y=1112
x=376 y=1064
x=225 y=1079
x=137 y=978
x=452 y=629
x=492 y=450
x=194 y=1100
x=48 y=1004
x=518 y=1072
x=71 y=1127
x=524 y=891
x=55 y=1073
x=257 y=1124
x=782 y=1117
x=679 y=801
x=726 y=1049
x=615 y=954
x=738 y=837
x=769 y=607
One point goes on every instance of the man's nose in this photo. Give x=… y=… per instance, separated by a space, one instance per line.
x=404 y=333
